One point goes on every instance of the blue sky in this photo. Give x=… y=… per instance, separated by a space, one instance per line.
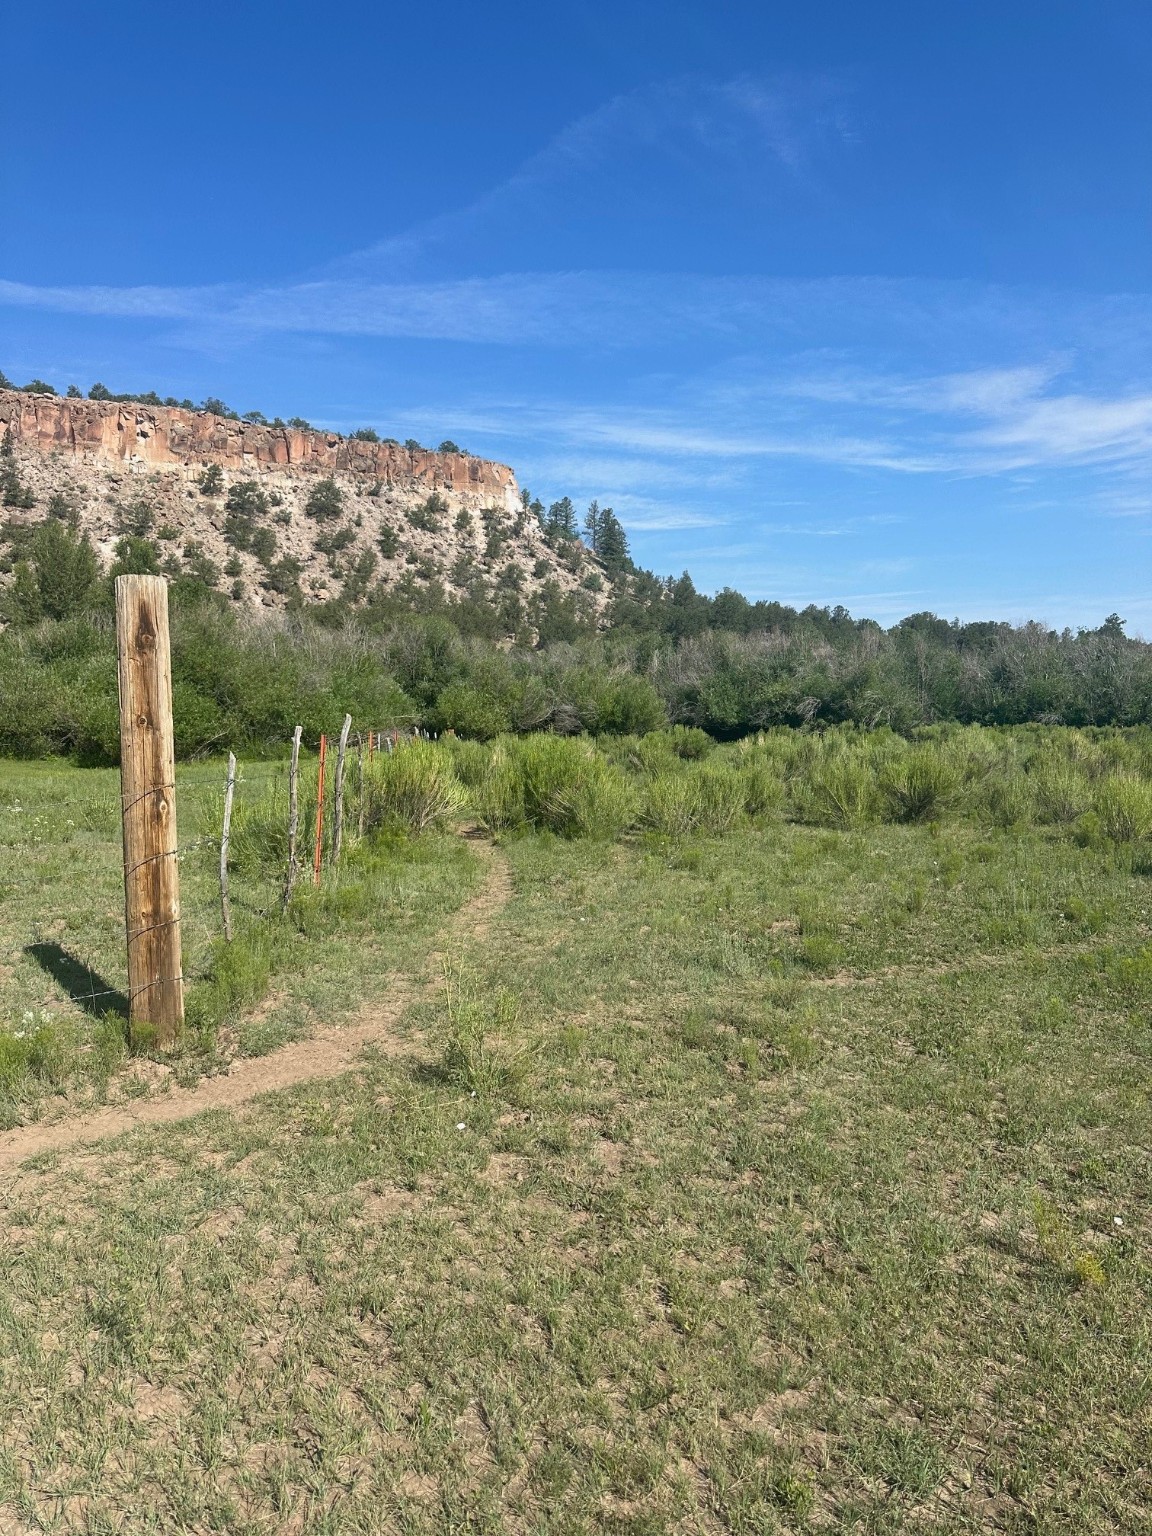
x=832 y=303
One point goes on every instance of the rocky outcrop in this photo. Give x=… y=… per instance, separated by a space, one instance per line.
x=407 y=521
x=159 y=436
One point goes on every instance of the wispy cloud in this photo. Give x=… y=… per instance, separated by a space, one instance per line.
x=688 y=125
x=698 y=404
x=144 y=303
x=853 y=418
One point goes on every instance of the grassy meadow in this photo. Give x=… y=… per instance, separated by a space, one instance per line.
x=776 y=1160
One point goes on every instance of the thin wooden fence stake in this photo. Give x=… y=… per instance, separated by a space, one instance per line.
x=360 y=796
x=148 y=807
x=371 y=744
x=293 y=813
x=338 y=793
x=318 y=849
x=225 y=838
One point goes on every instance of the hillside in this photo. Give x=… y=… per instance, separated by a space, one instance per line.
x=250 y=507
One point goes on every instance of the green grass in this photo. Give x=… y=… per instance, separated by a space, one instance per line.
x=63 y=1034
x=747 y=1183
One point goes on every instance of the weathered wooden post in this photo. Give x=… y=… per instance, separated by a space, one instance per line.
x=338 y=791
x=148 y=804
x=225 y=839
x=318 y=845
x=293 y=813
x=360 y=784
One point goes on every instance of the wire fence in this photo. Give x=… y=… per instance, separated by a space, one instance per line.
x=80 y=980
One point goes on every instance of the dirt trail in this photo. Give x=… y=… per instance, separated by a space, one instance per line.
x=327 y=1053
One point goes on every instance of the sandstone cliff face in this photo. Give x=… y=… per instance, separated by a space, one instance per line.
x=109 y=457
x=161 y=436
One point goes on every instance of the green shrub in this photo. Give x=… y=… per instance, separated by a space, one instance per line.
x=701 y=799
x=412 y=789
x=762 y=788
x=1123 y=804
x=688 y=742
x=1060 y=793
x=470 y=711
x=1006 y=797
x=470 y=759
x=920 y=785
x=654 y=753
x=427 y=515
x=670 y=805
x=841 y=791
x=325 y=501
x=499 y=795
x=258 y=837
x=557 y=784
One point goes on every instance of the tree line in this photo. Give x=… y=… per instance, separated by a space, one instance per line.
x=626 y=651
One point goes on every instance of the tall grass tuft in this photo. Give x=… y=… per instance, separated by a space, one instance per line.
x=702 y=799
x=470 y=1060
x=259 y=833
x=1123 y=804
x=470 y=759
x=762 y=789
x=686 y=741
x=920 y=785
x=842 y=790
x=555 y=784
x=413 y=789
x=1061 y=794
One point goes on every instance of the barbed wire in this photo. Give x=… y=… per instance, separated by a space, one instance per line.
x=388 y=739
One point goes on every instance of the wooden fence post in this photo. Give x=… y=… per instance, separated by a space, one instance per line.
x=360 y=794
x=338 y=791
x=318 y=847
x=148 y=804
x=293 y=813
x=225 y=837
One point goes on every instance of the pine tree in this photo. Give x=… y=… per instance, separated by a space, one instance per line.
x=560 y=521
x=612 y=543
x=592 y=527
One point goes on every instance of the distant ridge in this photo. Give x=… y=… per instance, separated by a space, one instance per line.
x=161 y=435
x=235 y=503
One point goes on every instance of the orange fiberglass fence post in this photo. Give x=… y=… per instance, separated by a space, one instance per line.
x=318 y=850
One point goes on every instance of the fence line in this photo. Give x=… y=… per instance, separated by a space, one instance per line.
x=368 y=744
x=318 y=846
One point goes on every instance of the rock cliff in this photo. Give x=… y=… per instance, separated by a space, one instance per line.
x=156 y=437
x=406 y=519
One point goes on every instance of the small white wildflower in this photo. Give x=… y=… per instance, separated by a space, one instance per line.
x=460 y=1126
x=29 y=1017
x=18 y=1034
x=1117 y=1221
